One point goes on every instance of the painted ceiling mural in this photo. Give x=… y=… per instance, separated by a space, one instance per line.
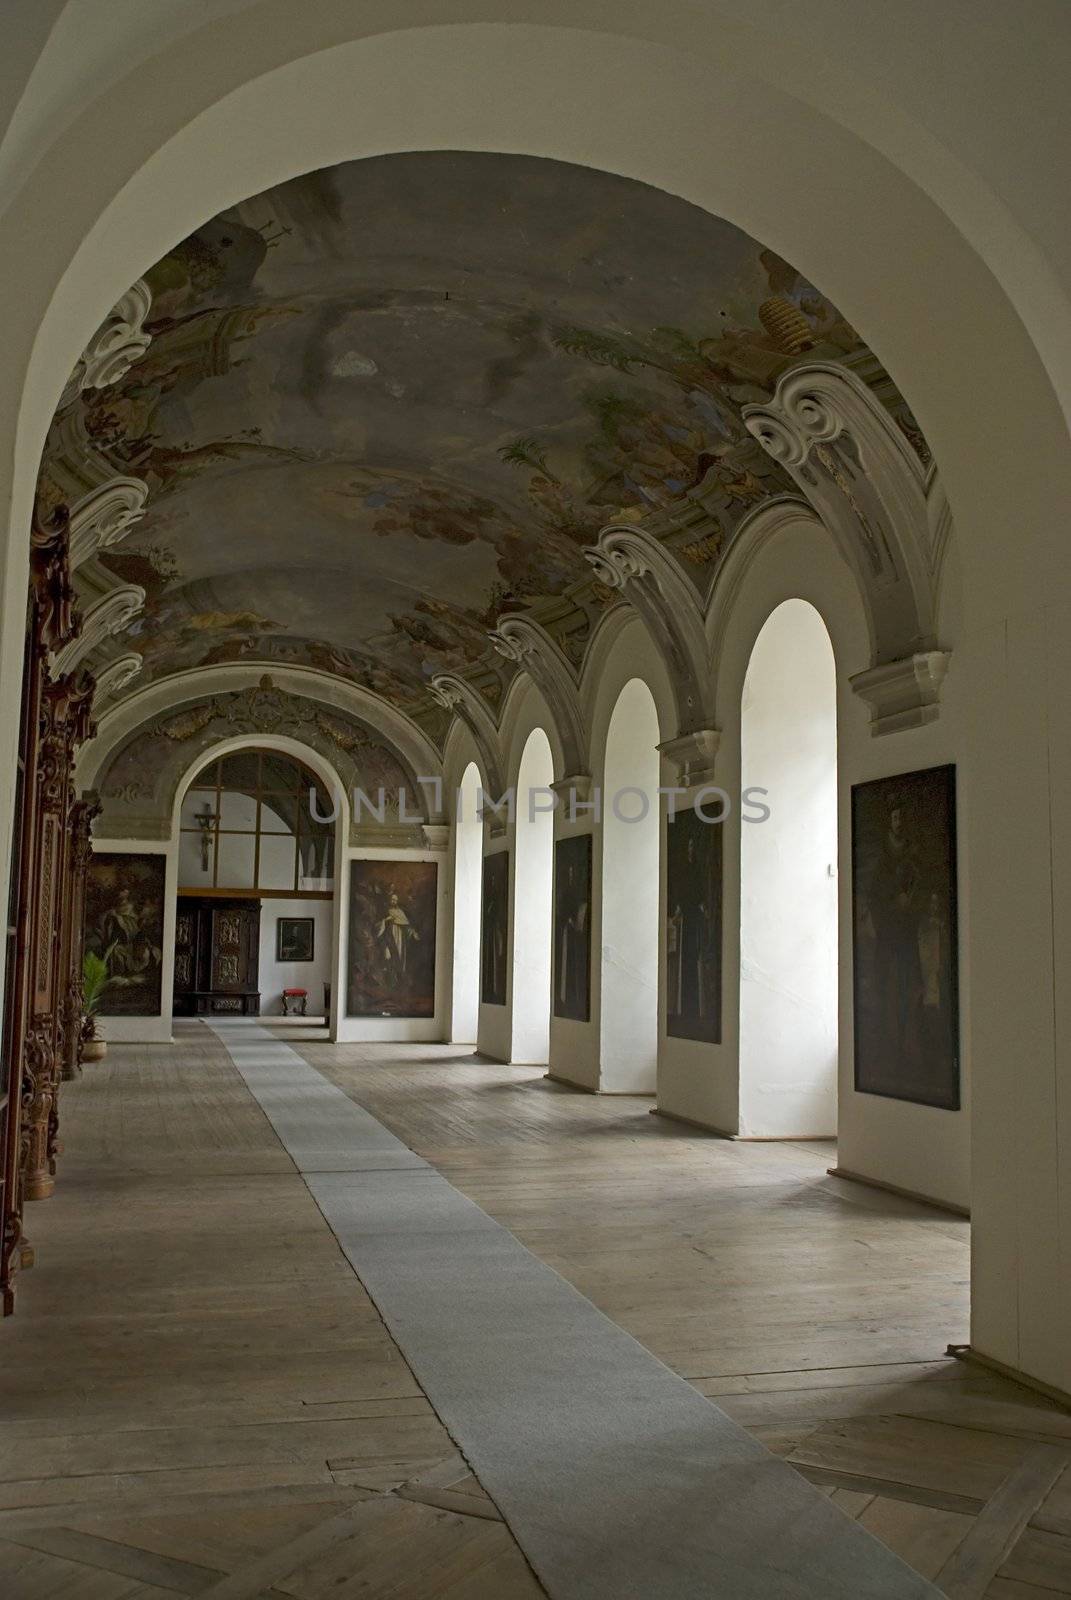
x=388 y=402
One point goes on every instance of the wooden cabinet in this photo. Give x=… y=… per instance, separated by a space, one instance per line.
x=217 y=957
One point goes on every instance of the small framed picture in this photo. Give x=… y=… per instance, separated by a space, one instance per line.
x=295 y=938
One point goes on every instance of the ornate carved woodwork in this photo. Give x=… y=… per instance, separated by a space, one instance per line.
x=83 y=814
x=13 y=1251
x=50 y=622
x=65 y=723
x=42 y=1007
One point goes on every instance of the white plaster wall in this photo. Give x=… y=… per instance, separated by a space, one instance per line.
x=467 y=869
x=275 y=976
x=531 y=896
x=788 y=881
x=620 y=654
x=919 y=1148
x=628 y=948
x=532 y=758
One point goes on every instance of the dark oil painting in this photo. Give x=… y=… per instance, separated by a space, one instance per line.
x=391 y=961
x=572 y=928
x=494 y=936
x=125 y=926
x=693 y=927
x=905 y=937
x=295 y=938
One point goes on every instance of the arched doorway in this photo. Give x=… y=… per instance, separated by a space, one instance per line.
x=468 y=854
x=788 y=881
x=531 y=902
x=256 y=877
x=630 y=853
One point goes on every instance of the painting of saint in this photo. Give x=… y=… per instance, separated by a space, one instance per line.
x=495 y=930
x=391 y=962
x=693 y=928
x=572 y=928
x=125 y=927
x=905 y=937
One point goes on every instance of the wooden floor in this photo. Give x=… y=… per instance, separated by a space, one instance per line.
x=197 y=1397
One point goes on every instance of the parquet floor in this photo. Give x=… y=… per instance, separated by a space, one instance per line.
x=197 y=1397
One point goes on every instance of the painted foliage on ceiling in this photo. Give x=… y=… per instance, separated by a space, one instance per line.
x=387 y=402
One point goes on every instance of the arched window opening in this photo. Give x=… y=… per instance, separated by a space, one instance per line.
x=532 y=902
x=630 y=854
x=256 y=820
x=788 y=881
x=468 y=854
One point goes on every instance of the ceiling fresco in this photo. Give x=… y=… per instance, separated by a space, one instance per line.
x=387 y=402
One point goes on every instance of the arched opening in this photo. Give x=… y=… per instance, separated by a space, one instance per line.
x=256 y=867
x=898 y=172
x=630 y=852
x=788 y=881
x=468 y=853
x=531 y=901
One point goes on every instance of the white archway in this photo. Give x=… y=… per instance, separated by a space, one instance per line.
x=628 y=1042
x=468 y=862
x=929 y=180
x=329 y=778
x=531 y=901
x=788 y=880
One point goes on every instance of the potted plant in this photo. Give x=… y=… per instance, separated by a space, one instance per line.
x=95 y=980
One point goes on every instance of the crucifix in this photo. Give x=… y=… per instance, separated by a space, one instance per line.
x=205 y=818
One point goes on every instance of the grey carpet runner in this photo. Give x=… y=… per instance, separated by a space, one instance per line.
x=618 y=1480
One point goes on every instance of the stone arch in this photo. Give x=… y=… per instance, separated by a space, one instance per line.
x=135 y=163
x=523 y=641
x=139 y=774
x=524 y=709
x=622 y=649
x=414 y=749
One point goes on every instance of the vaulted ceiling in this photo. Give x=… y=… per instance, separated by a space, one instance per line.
x=385 y=403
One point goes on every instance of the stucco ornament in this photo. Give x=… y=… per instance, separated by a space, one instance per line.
x=106 y=515
x=652 y=579
x=109 y=615
x=461 y=698
x=872 y=491
x=118 y=342
x=523 y=641
x=113 y=679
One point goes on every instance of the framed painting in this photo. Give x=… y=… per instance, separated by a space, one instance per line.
x=391 y=950
x=295 y=938
x=125 y=926
x=572 y=928
x=693 y=927
x=494 y=933
x=905 y=938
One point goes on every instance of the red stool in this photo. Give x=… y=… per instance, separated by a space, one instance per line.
x=295 y=1002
